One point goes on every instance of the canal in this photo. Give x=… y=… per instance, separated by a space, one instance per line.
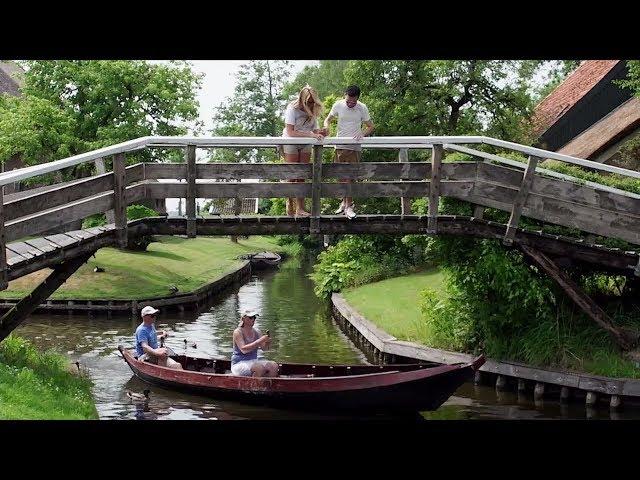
x=302 y=330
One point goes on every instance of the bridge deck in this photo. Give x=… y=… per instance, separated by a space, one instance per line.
x=33 y=254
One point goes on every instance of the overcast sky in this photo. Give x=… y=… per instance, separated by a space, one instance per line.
x=219 y=82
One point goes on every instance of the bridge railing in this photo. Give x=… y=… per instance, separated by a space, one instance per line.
x=591 y=207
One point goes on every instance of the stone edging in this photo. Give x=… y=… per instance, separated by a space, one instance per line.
x=179 y=302
x=389 y=345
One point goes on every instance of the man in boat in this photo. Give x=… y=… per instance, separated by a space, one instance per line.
x=147 y=341
x=246 y=342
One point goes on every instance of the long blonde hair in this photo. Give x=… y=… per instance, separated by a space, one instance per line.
x=301 y=103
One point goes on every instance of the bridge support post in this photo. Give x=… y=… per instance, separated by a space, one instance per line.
x=28 y=304
x=190 y=160
x=3 y=245
x=405 y=202
x=316 y=186
x=434 y=188
x=521 y=198
x=120 y=199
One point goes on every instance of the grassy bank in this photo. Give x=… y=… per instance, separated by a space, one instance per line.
x=394 y=304
x=576 y=344
x=39 y=386
x=171 y=261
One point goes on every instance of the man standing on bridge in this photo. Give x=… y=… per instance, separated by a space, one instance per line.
x=351 y=115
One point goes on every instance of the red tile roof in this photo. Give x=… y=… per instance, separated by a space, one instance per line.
x=569 y=92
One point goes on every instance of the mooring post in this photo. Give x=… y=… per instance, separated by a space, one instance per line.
x=316 y=190
x=538 y=391
x=120 y=199
x=615 y=402
x=477 y=377
x=565 y=393
x=190 y=160
x=501 y=383
x=405 y=202
x=434 y=188
x=522 y=385
x=591 y=399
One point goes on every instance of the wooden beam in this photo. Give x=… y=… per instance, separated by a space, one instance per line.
x=434 y=187
x=120 y=199
x=316 y=189
x=3 y=245
x=28 y=304
x=190 y=201
x=624 y=338
x=478 y=211
x=405 y=202
x=520 y=200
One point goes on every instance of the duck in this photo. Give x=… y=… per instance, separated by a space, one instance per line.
x=144 y=396
x=173 y=289
x=98 y=269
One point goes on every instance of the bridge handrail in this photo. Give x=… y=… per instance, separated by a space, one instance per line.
x=248 y=142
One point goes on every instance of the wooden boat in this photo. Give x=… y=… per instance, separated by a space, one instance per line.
x=376 y=388
x=264 y=260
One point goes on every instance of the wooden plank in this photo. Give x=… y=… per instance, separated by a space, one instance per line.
x=405 y=202
x=275 y=171
x=561 y=189
x=625 y=339
x=263 y=171
x=24 y=249
x=58 y=196
x=135 y=173
x=94 y=230
x=62 y=240
x=190 y=199
x=434 y=189
x=23 y=253
x=41 y=244
x=478 y=211
x=561 y=212
x=4 y=283
x=81 y=234
x=119 y=198
x=520 y=200
x=316 y=189
x=62 y=215
x=13 y=257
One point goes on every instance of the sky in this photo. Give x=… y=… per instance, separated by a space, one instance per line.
x=219 y=82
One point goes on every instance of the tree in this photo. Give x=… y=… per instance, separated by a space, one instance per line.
x=254 y=109
x=447 y=97
x=96 y=103
x=327 y=78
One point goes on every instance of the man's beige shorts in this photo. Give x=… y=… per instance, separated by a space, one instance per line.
x=347 y=156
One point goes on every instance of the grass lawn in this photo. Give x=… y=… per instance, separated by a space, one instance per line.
x=39 y=386
x=186 y=263
x=394 y=304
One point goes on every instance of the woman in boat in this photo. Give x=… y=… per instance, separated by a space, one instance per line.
x=301 y=120
x=246 y=342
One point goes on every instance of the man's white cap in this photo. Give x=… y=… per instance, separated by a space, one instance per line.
x=250 y=313
x=148 y=310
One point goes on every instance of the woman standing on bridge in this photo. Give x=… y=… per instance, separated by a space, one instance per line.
x=301 y=120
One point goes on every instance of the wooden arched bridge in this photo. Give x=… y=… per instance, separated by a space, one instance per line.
x=489 y=180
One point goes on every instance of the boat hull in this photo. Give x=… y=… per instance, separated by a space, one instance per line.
x=385 y=391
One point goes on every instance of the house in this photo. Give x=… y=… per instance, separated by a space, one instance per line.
x=589 y=115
